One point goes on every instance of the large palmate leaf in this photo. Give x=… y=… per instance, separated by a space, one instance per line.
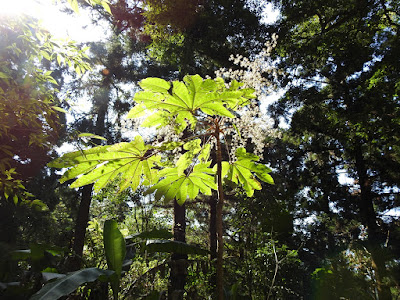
x=244 y=170
x=176 y=184
x=186 y=99
x=129 y=161
x=66 y=285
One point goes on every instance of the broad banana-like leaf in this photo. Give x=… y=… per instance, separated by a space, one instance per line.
x=114 y=246
x=66 y=285
x=115 y=251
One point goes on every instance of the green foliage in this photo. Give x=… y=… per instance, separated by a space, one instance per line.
x=189 y=105
x=102 y=164
x=158 y=240
x=153 y=234
x=338 y=278
x=182 y=186
x=36 y=252
x=115 y=251
x=187 y=100
x=242 y=170
x=198 y=37
x=343 y=105
x=198 y=111
x=174 y=247
x=29 y=122
x=104 y=3
x=66 y=285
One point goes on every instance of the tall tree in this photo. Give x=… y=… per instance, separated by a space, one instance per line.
x=191 y=37
x=108 y=101
x=199 y=106
x=30 y=122
x=343 y=78
x=199 y=36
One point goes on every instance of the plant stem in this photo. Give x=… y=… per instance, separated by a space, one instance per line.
x=220 y=250
x=276 y=270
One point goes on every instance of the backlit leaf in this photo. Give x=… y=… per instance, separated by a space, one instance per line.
x=244 y=170
x=155 y=85
x=129 y=162
x=183 y=187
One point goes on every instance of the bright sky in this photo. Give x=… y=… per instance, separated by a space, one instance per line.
x=76 y=26
x=61 y=25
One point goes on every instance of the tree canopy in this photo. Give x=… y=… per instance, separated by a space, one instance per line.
x=204 y=198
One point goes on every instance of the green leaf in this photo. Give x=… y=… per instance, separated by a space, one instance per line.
x=209 y=85
x=114 y=246
x=66 y=285
x=153 y=234
x=184 y=162
x=174 y=247
x=205 y=153
x=261 y=172
x=243 y=171
x=156 y=85
x=59 y=109
x=193 y=146
x=137 y=111
x=74 y=5
x=106 y=7
x=115 y=251
x=36 y=252
x=170 y=146
x=158 y=118
x=194 y=84
x=182 y=94
x=92 y=136
x=242 y=154
x=188 y=98
x=38 y=205
x=129 y=162
x=59 y=59
x=216 y=109
x=4 y=75
x=181 y=186
x=49 y=276
x=46 y=55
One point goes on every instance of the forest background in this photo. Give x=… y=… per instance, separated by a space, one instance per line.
x=327 y=229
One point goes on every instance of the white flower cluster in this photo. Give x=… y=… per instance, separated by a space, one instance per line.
x=251 y=70
x=253 y=128
x=168 y=133
x=128 y=127
x=251 y=123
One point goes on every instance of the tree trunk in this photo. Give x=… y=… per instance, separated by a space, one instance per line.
x=220 y=205
x=178 y=265
x=8 y=224
x=86 y=197
x=75 y=262
x=369 y=219
x=213 y=238
x=212 y=227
